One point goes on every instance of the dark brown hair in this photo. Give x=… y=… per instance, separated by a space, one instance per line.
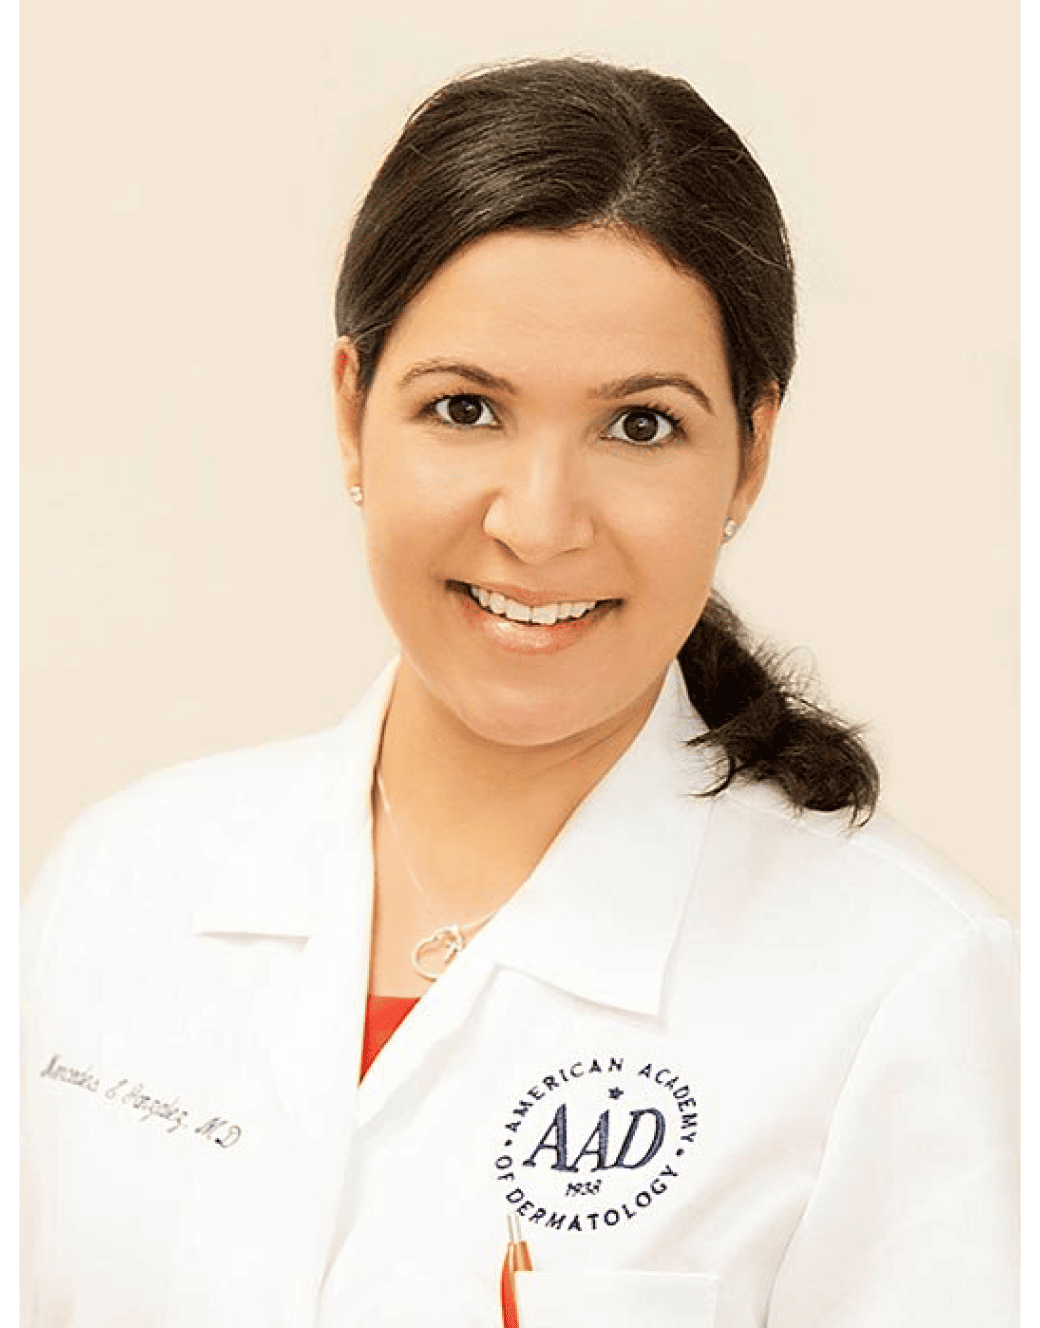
x=560 y=144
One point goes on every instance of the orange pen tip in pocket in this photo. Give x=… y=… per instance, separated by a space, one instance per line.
x=517 y=1260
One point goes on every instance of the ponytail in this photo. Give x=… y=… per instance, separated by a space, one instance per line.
x=764 y=728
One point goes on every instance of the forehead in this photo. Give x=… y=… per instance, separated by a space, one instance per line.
x=578 y=304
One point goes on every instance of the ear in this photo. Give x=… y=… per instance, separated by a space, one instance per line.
x=349 y=407
x=755 y=455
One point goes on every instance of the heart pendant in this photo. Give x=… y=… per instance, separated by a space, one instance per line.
x=441 y=946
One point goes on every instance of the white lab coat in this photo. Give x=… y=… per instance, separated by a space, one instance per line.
x=733 y=1066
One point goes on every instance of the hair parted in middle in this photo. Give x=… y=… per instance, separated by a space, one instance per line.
x=558 y=145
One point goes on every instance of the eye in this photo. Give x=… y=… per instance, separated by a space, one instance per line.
x=464 y=410
x=642 y=426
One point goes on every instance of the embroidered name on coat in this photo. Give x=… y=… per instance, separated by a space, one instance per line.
x=131 y=1096
x=597 y=1143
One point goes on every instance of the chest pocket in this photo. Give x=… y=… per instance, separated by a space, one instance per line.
x=616 y=1300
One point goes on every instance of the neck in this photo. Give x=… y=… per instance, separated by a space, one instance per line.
x=476 y=816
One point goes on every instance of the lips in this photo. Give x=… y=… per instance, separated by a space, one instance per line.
x=542 y=615
x=527 y=630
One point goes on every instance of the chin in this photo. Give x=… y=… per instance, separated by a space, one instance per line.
x=533 y=717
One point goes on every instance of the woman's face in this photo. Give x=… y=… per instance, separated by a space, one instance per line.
x=549 y=452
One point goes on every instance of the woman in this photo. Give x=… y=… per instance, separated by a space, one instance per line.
x=733 y=1052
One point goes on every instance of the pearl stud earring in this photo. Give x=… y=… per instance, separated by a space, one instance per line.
x=357 y=494
x=729 y=529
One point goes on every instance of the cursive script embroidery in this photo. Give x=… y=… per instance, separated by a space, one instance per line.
x=131 y=1096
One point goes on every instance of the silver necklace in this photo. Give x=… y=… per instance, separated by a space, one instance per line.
x=450 y=938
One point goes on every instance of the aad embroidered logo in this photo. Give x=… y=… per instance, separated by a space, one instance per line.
x=596 y=1144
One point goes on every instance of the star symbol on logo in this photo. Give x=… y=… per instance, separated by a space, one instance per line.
x=615 y=1093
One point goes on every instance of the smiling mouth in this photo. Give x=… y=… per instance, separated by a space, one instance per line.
x=541 y=615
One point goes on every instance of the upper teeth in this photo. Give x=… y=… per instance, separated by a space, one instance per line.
x=544 y=614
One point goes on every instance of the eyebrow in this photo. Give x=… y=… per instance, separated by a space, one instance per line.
x=648 y=382
x=618 y=387
x=471 y=371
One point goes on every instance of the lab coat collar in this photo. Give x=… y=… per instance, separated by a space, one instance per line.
x=309 y=861
x=598 y=916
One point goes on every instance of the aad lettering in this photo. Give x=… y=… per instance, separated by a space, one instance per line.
x=596 y=1143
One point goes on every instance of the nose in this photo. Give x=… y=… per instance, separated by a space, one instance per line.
x=539 y=508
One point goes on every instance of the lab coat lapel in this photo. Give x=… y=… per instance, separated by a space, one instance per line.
x=302 y=888
x=599 y=915
x=438 y=1016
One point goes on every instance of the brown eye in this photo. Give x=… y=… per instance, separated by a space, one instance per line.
x=463 y=410
x=645 y=428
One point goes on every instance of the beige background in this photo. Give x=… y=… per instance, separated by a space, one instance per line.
x=192 y=573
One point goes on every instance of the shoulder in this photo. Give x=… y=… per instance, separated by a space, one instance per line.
x=213 y=797
x=881 y=855
x=260 y=833
x=811 y=928
x=163 y=838
x=145 y=857
x=872 y=899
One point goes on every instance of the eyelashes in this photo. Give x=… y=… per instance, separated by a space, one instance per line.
x=464 y=411
x=641 y=426
x=645 y=426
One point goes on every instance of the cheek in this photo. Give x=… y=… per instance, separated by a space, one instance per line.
x=415 y=474
x=683 y=586
x=678 y=547
x=418 y=523
x=397 y=474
